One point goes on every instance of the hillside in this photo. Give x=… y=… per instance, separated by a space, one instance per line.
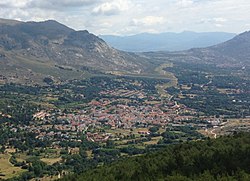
x=232 y=54
x=238 y=47
x=30 y=51
x=226 y=158
x=166 y=41
x=33 y=51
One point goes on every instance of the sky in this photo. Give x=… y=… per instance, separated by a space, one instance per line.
x=127 y=17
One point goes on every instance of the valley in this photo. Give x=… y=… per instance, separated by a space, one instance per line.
x=69 y=103
x=102 y=119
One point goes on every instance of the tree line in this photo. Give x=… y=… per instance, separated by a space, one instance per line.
x=226 y=158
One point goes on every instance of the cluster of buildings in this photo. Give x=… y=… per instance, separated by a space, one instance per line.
x=108 y=114
x=124 y=93
x=5 y=115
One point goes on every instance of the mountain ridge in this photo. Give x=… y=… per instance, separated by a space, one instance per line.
x=167 y=41
x=32 y=51
x=24 y=45
x=238 y=47
x=235 y=51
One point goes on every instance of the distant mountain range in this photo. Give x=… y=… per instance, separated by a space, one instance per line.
x=166 y=41
x=33 y=51
x=234 y=53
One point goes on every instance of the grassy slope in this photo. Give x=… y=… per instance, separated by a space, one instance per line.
x=7 y=169
x=172 y=83
x=32 y=68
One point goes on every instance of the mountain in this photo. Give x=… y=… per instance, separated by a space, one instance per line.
x=166 y=41
x=234 y=53
x=33 y=51
x=30 y=51
x=237 y=48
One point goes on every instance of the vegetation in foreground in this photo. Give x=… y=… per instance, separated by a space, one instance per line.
x=226 y=158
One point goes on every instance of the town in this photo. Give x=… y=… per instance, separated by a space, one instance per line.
x=112 y=115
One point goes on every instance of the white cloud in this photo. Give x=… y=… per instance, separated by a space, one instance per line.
x=213 y=20
x=218 y=25
x=217 y=22
x=185 y=3
x=46 y=4
x=222 y=20
x=134 y=16
x=111 y=8
x=14 y=3
x=62 y=4
x=148 y=21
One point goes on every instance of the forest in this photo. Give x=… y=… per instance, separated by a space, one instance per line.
x=130 y=157
x=211 y=90
x=226 y=158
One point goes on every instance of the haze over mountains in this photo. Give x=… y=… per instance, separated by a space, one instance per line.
x=166 y=41
x=31 y=51
x=233 y=53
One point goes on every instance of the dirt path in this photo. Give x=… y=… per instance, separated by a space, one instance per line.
x=213 y=133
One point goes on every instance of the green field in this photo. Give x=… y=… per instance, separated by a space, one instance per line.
x=7 y=170
x=172 y=83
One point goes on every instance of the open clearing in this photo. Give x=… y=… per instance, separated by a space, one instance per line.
x=227 y=127
x=7 y=170
x=51 y=161
x=172 y=83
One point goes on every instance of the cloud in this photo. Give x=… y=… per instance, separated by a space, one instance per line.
x=221 y=20
x=134 y=16
x=217 y=22
x=184 y=3
x=56 y=4
x=111 y=8
x=46 y=4
x=147 y=21
x=14 y=3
